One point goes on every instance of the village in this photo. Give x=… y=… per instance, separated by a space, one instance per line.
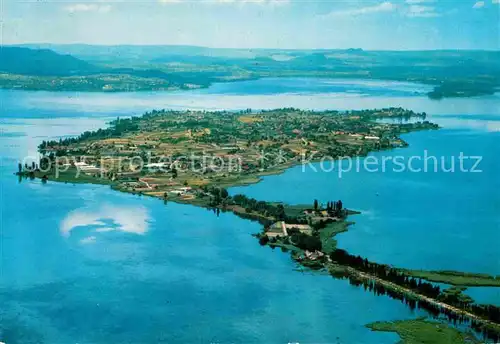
x=175 y=153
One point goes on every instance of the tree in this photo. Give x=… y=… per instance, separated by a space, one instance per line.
x=263 y=240
x=315 y=204
x=224 y=193
x=306 y=242
x=20 y=167
x=44 y=163
x=280 y=212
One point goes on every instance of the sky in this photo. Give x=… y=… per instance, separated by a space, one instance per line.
x=291 y=24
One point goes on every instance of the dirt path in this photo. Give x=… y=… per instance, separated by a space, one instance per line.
x=147 y=184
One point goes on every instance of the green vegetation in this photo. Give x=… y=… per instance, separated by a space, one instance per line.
x=421 y=331
x=451 y=73
x=73 y=176
x=455 y=296
x=43 y=62
x=328 y=233
x=28 y=69
x=84 y=83
x=457 y=278
x=466 y=88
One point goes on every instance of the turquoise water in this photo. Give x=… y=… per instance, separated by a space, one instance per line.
x=82 y=263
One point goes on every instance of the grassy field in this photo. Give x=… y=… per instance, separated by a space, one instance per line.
x=421 y=331
x=74 y=177
x=328 y=233
x=457 y=278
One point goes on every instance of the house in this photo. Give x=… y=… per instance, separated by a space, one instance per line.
x=181 y=191
x=83 y=166
x=273 y=234
x=157 y=166
x=297 y=226
x=313 y=255
x=89 y=168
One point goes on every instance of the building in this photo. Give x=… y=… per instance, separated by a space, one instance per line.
x=157 y=166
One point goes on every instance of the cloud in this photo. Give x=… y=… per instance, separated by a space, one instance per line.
x=278 y=2
x=495 y=1
x=257 y=2
x=107 y=218
x=422 y=11
x=382 y=7
x=412 y=2
x=88 y=8
x=478 y=4
x=230 y=2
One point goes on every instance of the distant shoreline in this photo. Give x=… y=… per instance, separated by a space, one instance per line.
x=52 y=84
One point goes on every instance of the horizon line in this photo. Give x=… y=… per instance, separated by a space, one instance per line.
x=245 y=48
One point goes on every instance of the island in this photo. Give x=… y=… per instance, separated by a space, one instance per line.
x=420 y=331
x=192 y=157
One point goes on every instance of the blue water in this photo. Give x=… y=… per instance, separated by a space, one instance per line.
x=82 y=263
x=172 y=273
x=310 y=86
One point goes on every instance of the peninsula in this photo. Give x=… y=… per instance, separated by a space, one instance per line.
x=191 y=157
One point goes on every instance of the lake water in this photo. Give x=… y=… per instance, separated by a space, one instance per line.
x=85 y=264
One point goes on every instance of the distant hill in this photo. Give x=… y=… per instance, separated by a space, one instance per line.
x=43 y=62
x=147 y=53
x=44 y=69
x=454 y=73
x=139 y=52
